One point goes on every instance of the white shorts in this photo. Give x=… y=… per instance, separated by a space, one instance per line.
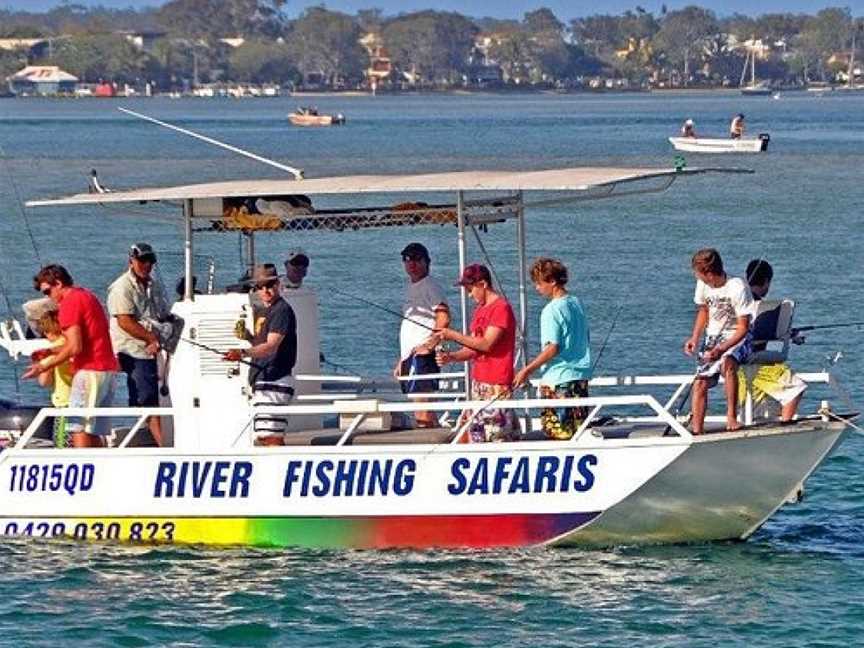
x=91 y=389
x=280 y=392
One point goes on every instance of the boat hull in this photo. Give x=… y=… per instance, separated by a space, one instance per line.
x=315 y=120
x=718 y=145
x=724 y=487
x=662 y=490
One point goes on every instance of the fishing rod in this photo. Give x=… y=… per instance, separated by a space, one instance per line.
x=608 y=334
x=385 y=309
x=801 y=329
x=254 y=365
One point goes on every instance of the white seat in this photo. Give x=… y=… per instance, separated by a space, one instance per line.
x=773 y=327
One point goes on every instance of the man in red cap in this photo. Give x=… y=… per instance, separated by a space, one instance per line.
x=490 y=348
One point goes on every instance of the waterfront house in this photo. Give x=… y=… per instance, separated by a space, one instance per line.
x=42 y=80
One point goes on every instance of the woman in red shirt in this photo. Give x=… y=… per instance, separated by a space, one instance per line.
x=490 y=349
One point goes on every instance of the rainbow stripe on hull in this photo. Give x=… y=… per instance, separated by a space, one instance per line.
x=401 y=531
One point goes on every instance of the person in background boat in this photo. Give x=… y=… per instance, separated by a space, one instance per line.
x=775 y=381
x=88 y=345
x=723 y=306
x=490 y=348
x=59 y=381
x=137 y=304
x=565 y=355
x=688 y=129
x=424 y=308
x=296 y=267
x=736 y=128
x=273 y=353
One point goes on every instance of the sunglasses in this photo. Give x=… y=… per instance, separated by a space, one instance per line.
x=267 y=285
x=46 y=291
x=413 y=257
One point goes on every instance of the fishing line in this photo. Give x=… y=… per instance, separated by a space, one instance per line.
x=19 y=203
x=254 y=365
x=14 y=365
x=383 y=308
x=608 y=335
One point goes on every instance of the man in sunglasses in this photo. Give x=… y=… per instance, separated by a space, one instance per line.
x=88 y=345
x=425 y=309
x=137 y=300
x=272 y=355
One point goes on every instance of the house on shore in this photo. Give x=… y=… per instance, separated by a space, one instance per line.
x=42 y=80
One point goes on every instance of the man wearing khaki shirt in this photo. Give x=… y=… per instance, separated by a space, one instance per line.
x=136 y=301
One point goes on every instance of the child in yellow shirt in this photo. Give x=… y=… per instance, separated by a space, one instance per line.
x=59 y=380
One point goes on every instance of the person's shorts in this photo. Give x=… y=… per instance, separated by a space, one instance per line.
x=142 y=380
x=91 y=389
x=280 y=392
x=418 y=365
x=776 y=381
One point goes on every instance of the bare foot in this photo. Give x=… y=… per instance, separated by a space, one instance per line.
x=731 y=426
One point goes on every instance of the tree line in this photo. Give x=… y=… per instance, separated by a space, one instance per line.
x=690 y=47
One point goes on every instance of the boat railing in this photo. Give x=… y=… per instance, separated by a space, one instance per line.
x=139 y=414
x=360 y=409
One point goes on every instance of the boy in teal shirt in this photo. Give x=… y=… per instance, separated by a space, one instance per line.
x=566 y=352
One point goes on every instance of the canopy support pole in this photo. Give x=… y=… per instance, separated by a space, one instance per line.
x=188 y=292
x=463 y=294
x=523 y=270
x=250 y=253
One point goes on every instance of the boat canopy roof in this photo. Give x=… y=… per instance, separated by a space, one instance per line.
x=574 y=179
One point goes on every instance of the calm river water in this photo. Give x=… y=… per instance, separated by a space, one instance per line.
x=796 y=582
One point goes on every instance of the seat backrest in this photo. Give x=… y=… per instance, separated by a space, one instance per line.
x=772 y=324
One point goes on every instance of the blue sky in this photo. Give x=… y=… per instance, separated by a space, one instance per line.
x=564 y=9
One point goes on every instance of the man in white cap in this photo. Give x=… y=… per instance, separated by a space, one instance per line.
x=137 y=301
x=688 y=129
x=296 y=267
x=273 y=354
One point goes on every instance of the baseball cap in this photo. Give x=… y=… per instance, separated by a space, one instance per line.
x=415 y=249
x=297 y=256
x=474 y=273
x=142 y=251
x=689 y=122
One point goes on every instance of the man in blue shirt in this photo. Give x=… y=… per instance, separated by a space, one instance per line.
x=566 y=351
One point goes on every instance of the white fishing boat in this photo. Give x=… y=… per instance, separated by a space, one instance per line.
x=309 y=116
x=632 y=473
x=757 y=144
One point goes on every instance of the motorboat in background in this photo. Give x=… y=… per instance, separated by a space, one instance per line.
x=309 y=116
x=722 y=145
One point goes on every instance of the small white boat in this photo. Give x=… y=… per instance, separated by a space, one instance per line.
x=722 y=145
x=311 y=117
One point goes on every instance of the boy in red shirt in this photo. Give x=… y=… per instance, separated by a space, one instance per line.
x=490 y=348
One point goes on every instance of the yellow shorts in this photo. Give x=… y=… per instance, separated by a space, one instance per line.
x=776 y=381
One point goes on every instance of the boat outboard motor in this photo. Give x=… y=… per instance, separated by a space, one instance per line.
x=764 y=138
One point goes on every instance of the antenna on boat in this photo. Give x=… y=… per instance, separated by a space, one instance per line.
x=297 y=173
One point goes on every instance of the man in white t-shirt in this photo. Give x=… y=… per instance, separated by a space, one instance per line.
x=424 y=310
x=723 y=314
